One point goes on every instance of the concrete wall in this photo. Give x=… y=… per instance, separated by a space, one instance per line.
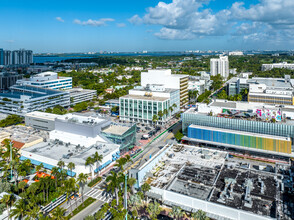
x=209 y=207
x=147 y=167
x=40 y=123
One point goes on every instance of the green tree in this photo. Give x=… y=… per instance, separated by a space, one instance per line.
x=155 y=118
x=19 y=209
x=82 y=180
x=90 y=162
x=176 y=212
x=153 y=210
x=58 y=214
x=71 y=166
x=179 y=135
x=199 y=215
x=160 y=114
x=145 y=188
x=8 y=200
x=97 y=158
x=114 y=180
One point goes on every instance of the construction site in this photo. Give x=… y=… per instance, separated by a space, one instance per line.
x=222 y=185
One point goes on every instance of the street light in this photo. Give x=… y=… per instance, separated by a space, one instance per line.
x=126 y=201
x=10 y=144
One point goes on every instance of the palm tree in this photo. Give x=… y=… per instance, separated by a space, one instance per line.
x=160 y=114
x=199 y=215
x=165 y=112
x=145 y=188
x=19 y=209
x=154 y=119
x=58 y=214
x=153 y=210
x=82 y=180
x=39 y=167
x=176 y=212
x=89 y=162
x=33 y=212
x=69 y=186
x=131 y=182
x=42 y=186
x=114 y=181
x=98 y=158
x=8 y=200
x=170 y=110
x=21 y=185
x=174 y=105
x=71 y=166
x=61 y=165
x=55 y=172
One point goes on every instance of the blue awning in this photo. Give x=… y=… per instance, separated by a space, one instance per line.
x=46 y=165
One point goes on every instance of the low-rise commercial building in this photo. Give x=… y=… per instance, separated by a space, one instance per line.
x=234 y=122
x=49 y=80
x=41 y=120
x=78 y=95
x=264 y=90
x=141 y=104
x=77 y=137
x=20 y=100
x=194 y=178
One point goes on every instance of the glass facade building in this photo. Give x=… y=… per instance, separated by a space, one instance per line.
x=233 y=138
x=142 y=108
x=126 y=140
x=276 y=129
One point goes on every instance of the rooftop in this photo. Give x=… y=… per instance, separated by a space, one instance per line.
x=207 y=175
x=271 y=82
x=116 y=129
x=17 y=91
x=57 y=150
x=44 y=115
x=79 y=90
x=149 y=98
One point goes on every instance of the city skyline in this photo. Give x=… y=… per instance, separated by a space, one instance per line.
x=174 y=25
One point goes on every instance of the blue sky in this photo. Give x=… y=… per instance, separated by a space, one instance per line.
x=174 y=25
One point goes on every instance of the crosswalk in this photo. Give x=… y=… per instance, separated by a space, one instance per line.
x=99 y=194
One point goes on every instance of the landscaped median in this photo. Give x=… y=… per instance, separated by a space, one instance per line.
x=81 y=207
x=93 y=182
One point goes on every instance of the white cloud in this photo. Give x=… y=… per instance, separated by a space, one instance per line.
x=268 y=20
x=120 y=25
x=184 y=19
x=96 y=23
x=59 y=19
x=136 y=20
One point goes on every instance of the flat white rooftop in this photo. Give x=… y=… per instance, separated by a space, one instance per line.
x=43 y=115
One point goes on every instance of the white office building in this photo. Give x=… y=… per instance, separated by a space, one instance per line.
x=48 y=80
x=168 y=80
x=284 y=65
x=78 y=95
x=20 y=100
x=220 y=66
x=142 y=103
x=198 y=85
